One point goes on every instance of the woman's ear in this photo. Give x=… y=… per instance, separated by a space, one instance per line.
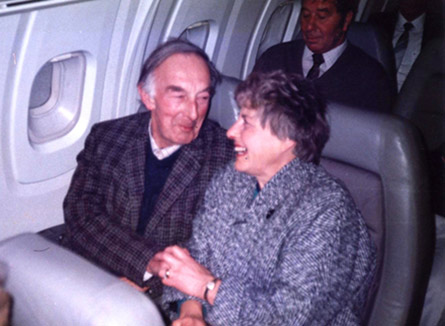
x=290 y=146
x=148 y=101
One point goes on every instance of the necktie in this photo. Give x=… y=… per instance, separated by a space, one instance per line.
x=315 y=70
x=402 y=44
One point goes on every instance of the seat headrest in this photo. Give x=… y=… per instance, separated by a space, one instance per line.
x=224 y=109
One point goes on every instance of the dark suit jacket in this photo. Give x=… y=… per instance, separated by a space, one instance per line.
x=103 y=203
x=386 y=23
x=355 y=79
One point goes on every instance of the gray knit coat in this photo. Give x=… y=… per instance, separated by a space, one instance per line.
x=299 y=253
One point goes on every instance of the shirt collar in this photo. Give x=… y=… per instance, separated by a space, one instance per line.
x=160 y=153
x=417 y=23
x=329 y=57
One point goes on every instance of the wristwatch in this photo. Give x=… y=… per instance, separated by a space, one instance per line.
x=209 y=287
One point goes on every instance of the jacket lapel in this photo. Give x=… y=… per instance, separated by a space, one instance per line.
x=134 y=170
x=185 y=169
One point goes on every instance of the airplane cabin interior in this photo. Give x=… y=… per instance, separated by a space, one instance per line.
x=69 y=64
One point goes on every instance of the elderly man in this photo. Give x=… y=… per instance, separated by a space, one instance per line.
x=140 y=179
x=344 y=73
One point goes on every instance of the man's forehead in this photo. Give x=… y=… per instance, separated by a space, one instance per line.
x=178 y=60
x=320 y=3
x=184 y=67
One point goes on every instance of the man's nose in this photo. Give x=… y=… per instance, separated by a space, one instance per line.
x=311 y=23
x=192 y=109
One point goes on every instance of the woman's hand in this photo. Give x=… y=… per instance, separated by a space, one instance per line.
x=178 y=269
x=191 y=315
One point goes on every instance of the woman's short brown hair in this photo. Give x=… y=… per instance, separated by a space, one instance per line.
x=291 y=106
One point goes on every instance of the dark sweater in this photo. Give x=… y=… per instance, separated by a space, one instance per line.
x=156 y=173
x=355 y=79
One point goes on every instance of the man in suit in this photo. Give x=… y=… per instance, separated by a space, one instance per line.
x=409 y=29
x=343 y=72
x=140 y=179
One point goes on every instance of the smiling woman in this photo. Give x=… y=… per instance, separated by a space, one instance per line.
x=278 y=241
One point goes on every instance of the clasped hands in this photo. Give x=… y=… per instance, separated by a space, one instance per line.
x=177 y=268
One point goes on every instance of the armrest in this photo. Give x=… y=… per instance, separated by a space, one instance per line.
x=53 y=286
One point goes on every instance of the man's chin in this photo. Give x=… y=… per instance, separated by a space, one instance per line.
x=315 y=47
x=186 y=139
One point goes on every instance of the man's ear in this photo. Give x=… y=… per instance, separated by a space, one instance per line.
x=348 y=20
x=148 y=101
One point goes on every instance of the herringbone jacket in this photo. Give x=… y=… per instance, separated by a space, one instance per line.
x=103 y=203
x=299 y=253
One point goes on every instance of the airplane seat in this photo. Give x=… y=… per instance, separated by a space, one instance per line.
x=369 y=38
x=379 y=159
x=223 y=108
x=421 y=101
x=53 y=286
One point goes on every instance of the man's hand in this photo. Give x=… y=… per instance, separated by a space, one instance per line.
x=189 y=321
x=178 y=269
x=191 y=315
x=5 y=307
x=134 y=285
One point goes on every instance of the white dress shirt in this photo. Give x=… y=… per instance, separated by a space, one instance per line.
x=413 y=48
x=329 y=57
x=160 y=153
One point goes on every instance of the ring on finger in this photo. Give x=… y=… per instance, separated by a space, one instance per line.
x=167 y=273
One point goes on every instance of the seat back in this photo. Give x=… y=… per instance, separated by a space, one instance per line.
x=379 y=159
x=53 y=286
x=368 y=38
x=223 y=108
x=422 y=101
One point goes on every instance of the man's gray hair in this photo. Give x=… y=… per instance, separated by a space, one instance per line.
x=166 y=50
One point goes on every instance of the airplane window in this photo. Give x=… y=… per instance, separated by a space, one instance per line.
x=41 y=88
x=197 y=33
x=56 y=96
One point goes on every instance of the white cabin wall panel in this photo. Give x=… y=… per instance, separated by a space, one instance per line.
x=41 y=37
x=133 y=29
x=173 y=17
x=34 y=179
x=237 y=36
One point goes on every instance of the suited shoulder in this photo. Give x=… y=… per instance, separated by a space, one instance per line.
x=280 y=56
x=124 y=124
x=363 y=60
x=286 y=46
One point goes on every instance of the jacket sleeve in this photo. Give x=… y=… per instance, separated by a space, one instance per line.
x=310 y=284
x=91 y=230
x=200 y=242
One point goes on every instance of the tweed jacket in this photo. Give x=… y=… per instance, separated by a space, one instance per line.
x=297 y=254
x=355 y=79
x=103 y=204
